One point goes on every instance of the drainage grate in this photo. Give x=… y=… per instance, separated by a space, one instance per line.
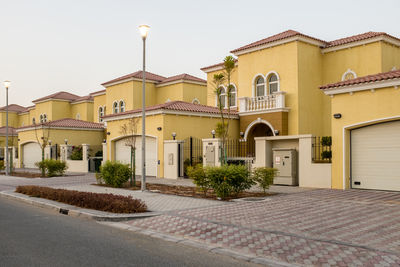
x=64 y=211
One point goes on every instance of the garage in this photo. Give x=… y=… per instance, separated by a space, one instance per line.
x=375 y=156
x=123 y=154
x=32 y=153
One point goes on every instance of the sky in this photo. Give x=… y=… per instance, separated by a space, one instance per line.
x=48 y=46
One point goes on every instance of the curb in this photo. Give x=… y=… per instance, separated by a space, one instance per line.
x=73 y=211
x=208 y=247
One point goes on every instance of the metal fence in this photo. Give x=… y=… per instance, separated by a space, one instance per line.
x=239 y=148
x=322 y=149
x=192 y=152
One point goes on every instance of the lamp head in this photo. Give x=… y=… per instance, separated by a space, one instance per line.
x=213 y=133
x=144 y=29
x=7 y=84
x=174 y=135
x=66 y=141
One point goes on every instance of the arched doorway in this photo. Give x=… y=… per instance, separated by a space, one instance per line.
x=257 y=128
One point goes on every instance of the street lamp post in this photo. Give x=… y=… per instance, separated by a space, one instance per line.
x=144 y=29
x=6 y=85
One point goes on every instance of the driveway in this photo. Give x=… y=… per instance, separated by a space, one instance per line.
x=318 y=227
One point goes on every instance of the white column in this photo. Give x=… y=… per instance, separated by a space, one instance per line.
x=212 y=152
x=280 y=99
x=85 y=151
x=104 y=153
x=242 y=104
x=263 y=152
x=172 y=162
x=47 y=152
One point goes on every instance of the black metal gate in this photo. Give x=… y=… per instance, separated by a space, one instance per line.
x=192 y=152
x=240 y=148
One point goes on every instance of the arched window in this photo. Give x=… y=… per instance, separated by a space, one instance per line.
x=122 y=106
x=44 y=117
x=196 y=101
x=101 y=114
x=260 y=86
x=78 y=116
x=273 y=83
x=222 y=97
x=41 y=118
x=33 y=121
x=232 y=97
x=115 y=107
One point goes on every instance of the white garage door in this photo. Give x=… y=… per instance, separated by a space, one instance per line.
x=32 y=154
x=375 y=157
x=123 y=155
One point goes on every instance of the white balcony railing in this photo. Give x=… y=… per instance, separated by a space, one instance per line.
x=262 y=103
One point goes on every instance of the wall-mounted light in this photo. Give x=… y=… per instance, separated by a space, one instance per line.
x=159 y=128
x=337 y=115
x=66 y=141
x=213 y=133
x=173 y=135
x=49 y=142
x=104 y=141
x=241 y=134
x=276 y=132
x=108 y=133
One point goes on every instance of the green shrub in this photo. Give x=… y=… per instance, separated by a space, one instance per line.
x=77 y=153
x=52 y=167
x=199 y=177
x=326 y=140
x=2 y=166
x=264 y=177
x=228 y=179
x=114 y=173
x=326 y=154
x=99 y=153
x=103 y=202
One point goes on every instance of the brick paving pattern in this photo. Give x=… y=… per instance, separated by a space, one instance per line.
x=319 y=227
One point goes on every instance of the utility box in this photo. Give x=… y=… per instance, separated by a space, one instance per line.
x=210 y=156
x=285 y=161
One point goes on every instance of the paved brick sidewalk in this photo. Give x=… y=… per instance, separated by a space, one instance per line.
x=154 y=201
x=319 y=227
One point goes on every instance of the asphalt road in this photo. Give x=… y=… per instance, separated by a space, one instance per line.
x=31 y=236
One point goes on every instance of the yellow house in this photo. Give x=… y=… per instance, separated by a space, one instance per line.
x=182 y=118
x=366 y=132
x=55 y=133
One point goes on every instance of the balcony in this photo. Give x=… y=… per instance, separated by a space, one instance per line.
x=260 y=104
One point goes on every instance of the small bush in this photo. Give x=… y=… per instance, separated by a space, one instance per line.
x=228 y=179
x=103 y=202
x=326 y=140
x=2 y=165
x=264 y=177
x=114 y=173
x=199 y=177
x=52 y=167
x=326 y=154
x=77 y=153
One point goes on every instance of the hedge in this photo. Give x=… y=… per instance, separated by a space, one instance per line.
x=102 y=202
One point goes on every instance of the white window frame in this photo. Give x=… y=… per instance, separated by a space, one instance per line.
x=195 y=101
x=235 y=92
x=78 y=116
x=267 y=77
x=224 y=94
x=100 y=113
x=115 y=107
x=122 y=105
x=33 y=121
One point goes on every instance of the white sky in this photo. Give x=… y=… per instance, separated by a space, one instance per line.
x=75 y=45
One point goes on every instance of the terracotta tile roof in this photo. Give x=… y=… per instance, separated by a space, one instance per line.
x=358 y=37
x=215 y=65
x=59 y=95
x=68 y=123
x=99 y=92
x=14 y=108
x=365 y=79
x=184 y=77
x=138 y=75
x=83 y=98
x=11 y=131
x=276 y=37
x=177 y=106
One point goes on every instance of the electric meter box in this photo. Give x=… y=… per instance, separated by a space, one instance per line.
x=285 y=161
